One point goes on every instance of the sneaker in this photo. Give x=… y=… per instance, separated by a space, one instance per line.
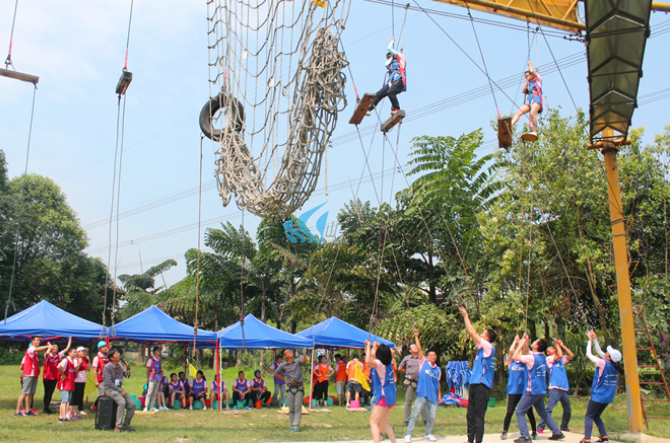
x=117 y=430
x=47 y=412
x=204 y=408
x=190 y=408
x=23 y=411
x=61 y=420
x=430 y=437
x=405 y=423
x=408 y=439
x=77 y=417
x=128 y=429
x=560 y=436
x=33 y=412
x=523 y=439
x=94 y=407
x=533 y=436
x=583 y=440
x=503 y=436
x=154 y=409
x=145 y=409
x=540 y=431
x=82 y=412
x=601 y=439
x=19 y=414
x=247 y=407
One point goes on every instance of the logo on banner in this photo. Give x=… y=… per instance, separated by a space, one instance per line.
x=296 y=229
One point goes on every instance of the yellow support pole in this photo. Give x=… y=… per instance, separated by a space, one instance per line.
x=609 y=151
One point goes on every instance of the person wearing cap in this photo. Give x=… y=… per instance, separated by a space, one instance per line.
x=533 y=101
x=99 y=363
x=80 y=382
x=397 y=80
x=603 y=388
x=536 y=364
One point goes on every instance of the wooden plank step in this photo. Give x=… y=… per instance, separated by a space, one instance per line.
x=393 y=120
x=644 y=349
x=647 y=366
x=362 y=109
x=20 y=76
x=656 y=400
x=650 y=383
x=505 y=132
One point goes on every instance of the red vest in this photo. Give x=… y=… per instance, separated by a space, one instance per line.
x=51 y=366
x=102 y=361
x=31 y=364
x=67 y=382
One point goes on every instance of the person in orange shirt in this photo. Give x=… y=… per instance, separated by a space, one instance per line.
x=322 y=371
x=340 y=378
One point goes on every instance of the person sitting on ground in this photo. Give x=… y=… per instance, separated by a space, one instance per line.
x=559 y=387
x=224 y=389
x=31 y=372
x=177 y=391
x=112 y=387
x=242 y=391
x=68 y=371
x=428 y=391
x=533 y=98
x=340 y=379
x=353 y=386
x=51 y=376
x=280 y=383
x=186 y=383
x=481 y=379
x=259 y=390
x=397 y=81
x=199 y=390
x=77 y=402
x=536 y=363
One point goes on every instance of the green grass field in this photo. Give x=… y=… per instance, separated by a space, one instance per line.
x=264 y=425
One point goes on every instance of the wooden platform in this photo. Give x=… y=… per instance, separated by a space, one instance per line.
x=505 y=132
x=529 y=137
x=20 y=76
x=362 y=109
x=394 y=120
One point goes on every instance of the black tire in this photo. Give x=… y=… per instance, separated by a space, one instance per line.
x=212 y=107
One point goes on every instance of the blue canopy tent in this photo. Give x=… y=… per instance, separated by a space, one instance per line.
x=154 y=325
x=336 y=333
x=258 y=335
x=49 y=322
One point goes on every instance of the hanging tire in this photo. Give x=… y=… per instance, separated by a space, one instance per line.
x=212 y=107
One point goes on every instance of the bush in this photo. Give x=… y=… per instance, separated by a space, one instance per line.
x=10 y=358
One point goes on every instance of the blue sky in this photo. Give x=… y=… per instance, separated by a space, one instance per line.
x=77 y=48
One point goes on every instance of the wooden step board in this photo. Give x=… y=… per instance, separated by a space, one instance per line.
x=20 y=76
x=505 y=132
x=529 y=137
x=394 y=120
x=362 y=109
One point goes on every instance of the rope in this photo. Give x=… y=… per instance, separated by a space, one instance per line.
x=23 y=188
x=118 y=206
x=313 y=91
x=481 y=53
x=197 y=271
x=243 y=239
x=464 y=52
x=130 y=20
x=8 y=60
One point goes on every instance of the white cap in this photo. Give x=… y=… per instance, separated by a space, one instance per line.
x=614 y=354
x=81 y=348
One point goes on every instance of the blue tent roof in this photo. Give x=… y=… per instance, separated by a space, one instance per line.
x=337 y=333
x=152 y=324
x=49 y=322
x=258 y=335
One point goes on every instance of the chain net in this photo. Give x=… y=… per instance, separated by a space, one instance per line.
x=276 y=86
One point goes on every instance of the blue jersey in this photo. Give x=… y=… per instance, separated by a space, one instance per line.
x=388 y=385
x=604 y=386
x=429 y=382
x=484 y=368
x=517 y=380
x=537 y=376
x=558 y=378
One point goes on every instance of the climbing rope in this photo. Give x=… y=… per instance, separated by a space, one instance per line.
x=306 y=100
x=23 y=189
x=197 y=267
x=8 y=60
x=481 y=53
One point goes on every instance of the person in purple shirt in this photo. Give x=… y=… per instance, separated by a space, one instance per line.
x=177 y=391
x=242 y=391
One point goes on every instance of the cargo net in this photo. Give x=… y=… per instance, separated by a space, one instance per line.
x=276 y=86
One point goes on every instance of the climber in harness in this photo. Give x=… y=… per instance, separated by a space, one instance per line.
x=532 y=103
x=397 y=80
